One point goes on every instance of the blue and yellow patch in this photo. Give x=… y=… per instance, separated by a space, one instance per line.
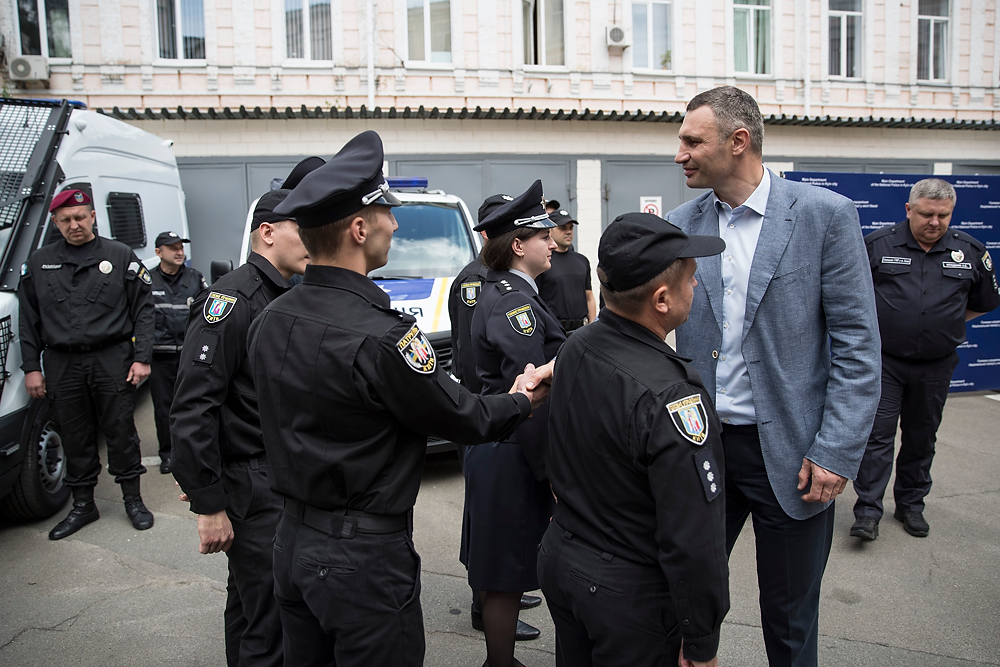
x=218 y=306
x=417 y=351
x=690 y=419
x=522 y=319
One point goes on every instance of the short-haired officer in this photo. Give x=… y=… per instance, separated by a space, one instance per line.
x=353 y=389
x=82 y=300
x=218 y=453
x=929 y=282
x=565 y=287
x=174 y=288
x=634 y=561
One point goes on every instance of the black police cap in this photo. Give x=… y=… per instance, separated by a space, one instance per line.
x=562 y=217
x=526 y=211
x=349 y=181
x=492 y=203
x=299 y=171
x=637 y=247
x=264 y=210
x=169 y=238
x=552 y=203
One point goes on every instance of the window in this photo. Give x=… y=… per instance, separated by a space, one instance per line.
x=428 y=29
x=308 y=33
x=432 y=241
x=651 y=35
x=180 y=28
x=932 y=40
x=44 y=28
x=752 y=41
x=845 y=38
x=125 y=217
x=543 y=32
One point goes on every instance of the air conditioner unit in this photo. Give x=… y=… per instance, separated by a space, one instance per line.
x=29 y=68
x=619 y=36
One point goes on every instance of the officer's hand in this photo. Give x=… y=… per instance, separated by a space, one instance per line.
x=825 y=486
x=137 y=373
x=542 y=375
x=684 y=662
x=215 y=532
x=536 y=396
x=34 y=383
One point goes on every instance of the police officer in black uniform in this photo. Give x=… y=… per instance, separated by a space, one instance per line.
x=174 y=288
x=634 y=560
x=218 y=453
x=82 y=300
x=353 y=389
x=929 y=282
x=565 y=287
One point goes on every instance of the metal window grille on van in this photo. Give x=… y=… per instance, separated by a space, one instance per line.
x=6 y=336
x=125 y=217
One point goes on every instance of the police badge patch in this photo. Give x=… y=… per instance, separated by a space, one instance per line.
x=417 y=351
x=690 y=418
x=218 y=306
x=470 y=293
x=522 y=319
x=987 y=261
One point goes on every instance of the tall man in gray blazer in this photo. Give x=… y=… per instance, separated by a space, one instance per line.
x=783 y=331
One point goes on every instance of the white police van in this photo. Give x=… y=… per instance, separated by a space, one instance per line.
x=131 y=175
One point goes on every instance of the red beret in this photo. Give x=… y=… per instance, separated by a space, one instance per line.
x=69 y=198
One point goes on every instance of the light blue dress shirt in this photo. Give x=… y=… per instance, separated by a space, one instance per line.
x=740 y=228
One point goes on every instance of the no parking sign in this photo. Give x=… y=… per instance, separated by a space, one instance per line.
x=652 y=205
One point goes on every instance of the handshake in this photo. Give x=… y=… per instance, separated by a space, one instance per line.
x=535 y=383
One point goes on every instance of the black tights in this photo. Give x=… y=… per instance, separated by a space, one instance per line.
x=500 y=612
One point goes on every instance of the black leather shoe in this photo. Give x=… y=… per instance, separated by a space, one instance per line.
x=865 y=527
x=165 y=466
x=82 y=513
x=530 y=601
x=913 y=522
x=142 y=518
x=524 y=632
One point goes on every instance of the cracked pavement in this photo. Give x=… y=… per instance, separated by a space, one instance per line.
x=110 y=595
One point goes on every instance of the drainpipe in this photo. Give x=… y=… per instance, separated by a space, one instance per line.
x=371 y=54
x=808 y=72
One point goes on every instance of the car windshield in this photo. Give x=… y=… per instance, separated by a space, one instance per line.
x=432 y=242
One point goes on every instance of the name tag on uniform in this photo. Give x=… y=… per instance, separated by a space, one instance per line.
x=159 y=293
x=956 y=265
x=51 y=266
x=896 y=260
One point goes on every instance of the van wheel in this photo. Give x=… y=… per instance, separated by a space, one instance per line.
x=40 y=490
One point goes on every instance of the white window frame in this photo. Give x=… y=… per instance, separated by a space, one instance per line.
x=426 y=62
x=647 y=68
x=178 y=37
x=43 y=30
x=751 y=39
x=307 y=60
x=539 y=29
x=859 y=65
x=946 y=20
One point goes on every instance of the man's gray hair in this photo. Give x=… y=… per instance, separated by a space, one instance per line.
x=932 y=188
x=733 y=109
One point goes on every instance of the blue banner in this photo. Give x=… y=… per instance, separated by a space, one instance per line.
x=880 y=200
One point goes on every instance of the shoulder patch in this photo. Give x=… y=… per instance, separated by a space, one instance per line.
x=218 y=306
x=417 y=351
x=522 y=319
x=987 y=261
x=144 y=275
x=708 y=473
x=470 y=292
x=690 y=420
x=24 y=268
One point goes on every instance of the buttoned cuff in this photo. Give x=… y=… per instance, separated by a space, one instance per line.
x=701 y=649
x=208 y=500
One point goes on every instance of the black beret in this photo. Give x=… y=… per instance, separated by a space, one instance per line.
x=562 y=217
x=524 y=211
x=351 y=180
x=492 y=203
x=637 y=247
x=264 y=210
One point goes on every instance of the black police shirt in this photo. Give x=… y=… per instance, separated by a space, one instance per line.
x=563 y=286
x=462 y=300
x=635 y=459
x=922 y=297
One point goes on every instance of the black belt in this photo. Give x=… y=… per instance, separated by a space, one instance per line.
x=89 y=347
x=344 y=523
x=571 y=325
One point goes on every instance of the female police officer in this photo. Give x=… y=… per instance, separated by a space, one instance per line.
x=508 y=503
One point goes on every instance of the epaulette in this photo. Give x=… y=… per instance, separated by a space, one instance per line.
x=504 y=286
x=963 y=236
x=879 y=233
x=251 y=283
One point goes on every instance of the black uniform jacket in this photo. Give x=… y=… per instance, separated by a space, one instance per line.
x=636 y=462
x=462 y=299
x=922 y=297
x=564 y=287
x=214 y=418
x=512 y=327
x=353 y=389
x=172 y=299
x=66 y=304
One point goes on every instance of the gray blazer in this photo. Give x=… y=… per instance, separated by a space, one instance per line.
x=810 y=335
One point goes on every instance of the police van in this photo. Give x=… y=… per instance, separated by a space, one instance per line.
x=433 y=244
x=131 y=176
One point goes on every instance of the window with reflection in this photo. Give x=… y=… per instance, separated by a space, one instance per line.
x=544 y=32
x=932 y=40
x=428 y=30
x=651 y=35
x=308 y=30
x=752 y=36
x=44 y=28
x=180 y=29
x=845 y=38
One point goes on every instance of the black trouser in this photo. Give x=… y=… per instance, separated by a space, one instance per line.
x=913 y=394
x=348 y=601
x=607 y=610
x=253 y=625
x=791 y=553
x=162 y=377
x=89 y=391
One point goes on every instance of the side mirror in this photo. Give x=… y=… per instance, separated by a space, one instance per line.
x=220 y=267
